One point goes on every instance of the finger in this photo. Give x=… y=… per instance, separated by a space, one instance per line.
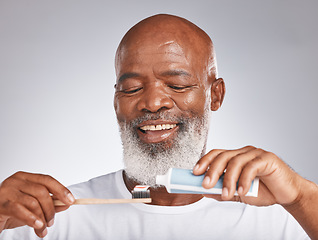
x=203 y=164
x=54 y=187
x=249 y=172
x=19 y=205
x=233 y=171
x=215 y=171
x=264 y=198
x=34 y=206
x=41 y=233
x=20 y=212
x=34 y=197
x=61 y=208
x=42 y=195
x=38 y=199
x=219 y=164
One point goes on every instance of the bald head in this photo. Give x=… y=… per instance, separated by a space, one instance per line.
x=165 y=62
x=176 y=34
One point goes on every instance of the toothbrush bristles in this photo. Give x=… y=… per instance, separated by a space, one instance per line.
x=140 y=194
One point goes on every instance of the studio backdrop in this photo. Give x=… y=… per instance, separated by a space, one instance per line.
x=57 y=81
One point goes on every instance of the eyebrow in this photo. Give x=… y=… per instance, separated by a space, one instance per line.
x=166 y=73
x=127 y=75
x=175 y=73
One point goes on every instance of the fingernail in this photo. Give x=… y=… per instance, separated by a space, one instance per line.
x=38 y=224
x=70 y=198
x=50 y=223
x=225 y=192
x=196 y=168
x=240 y=190
x=206 y=181
x=44 y=232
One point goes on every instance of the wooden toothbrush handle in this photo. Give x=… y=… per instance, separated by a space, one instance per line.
x=86 y=201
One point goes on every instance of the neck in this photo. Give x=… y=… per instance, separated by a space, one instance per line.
x=161 y=197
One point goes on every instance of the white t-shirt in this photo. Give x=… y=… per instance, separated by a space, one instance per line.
x=205 y=219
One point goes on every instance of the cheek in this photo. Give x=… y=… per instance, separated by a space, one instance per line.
x=194 y=102
x=124 y=109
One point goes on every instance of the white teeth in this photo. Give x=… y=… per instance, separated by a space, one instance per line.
x=158 y=127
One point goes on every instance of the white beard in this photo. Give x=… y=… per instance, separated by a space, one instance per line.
x=143 y=162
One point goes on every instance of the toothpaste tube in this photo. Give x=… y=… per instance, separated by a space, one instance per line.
x=178 y=180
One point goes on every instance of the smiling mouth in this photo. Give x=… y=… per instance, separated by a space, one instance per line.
x=157 y=127
x=153 y=132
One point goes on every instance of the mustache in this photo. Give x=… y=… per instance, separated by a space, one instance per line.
x=159 y=116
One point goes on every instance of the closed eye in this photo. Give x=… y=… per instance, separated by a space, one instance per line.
x=131 y=91
x=179 y=88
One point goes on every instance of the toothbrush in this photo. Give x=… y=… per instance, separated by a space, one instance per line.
x=140 y=194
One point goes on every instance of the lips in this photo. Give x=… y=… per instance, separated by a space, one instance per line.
x=158 y=127
x=156 y=131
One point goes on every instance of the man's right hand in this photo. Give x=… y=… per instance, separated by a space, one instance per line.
x=27 y=199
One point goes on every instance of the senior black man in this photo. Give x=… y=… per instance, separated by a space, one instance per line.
x=166 y=87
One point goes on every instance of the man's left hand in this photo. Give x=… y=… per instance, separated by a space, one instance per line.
x=278 y=182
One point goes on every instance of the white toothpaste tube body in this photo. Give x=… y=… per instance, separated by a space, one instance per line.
x=178 y=180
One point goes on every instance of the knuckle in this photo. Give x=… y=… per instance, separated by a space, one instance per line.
x=18 y=174
x=42 y=192
x=250 y=147
x=7 y=183
x=213 y=151
x=218 y=150
x=237 y=160
x=269 y=155
x=222 y=155
x=254 y=163
x=12 y=206
x=259 y=150
x=47 y=179
x=33 y=203
x=231 y=164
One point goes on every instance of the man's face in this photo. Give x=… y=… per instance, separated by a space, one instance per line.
x=162 y=102
x=155 y=77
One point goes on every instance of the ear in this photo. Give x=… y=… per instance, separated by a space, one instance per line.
x=217 y=94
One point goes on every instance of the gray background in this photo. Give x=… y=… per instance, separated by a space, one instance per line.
x=57 y=77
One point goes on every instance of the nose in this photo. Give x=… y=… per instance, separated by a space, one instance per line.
x=155 y=99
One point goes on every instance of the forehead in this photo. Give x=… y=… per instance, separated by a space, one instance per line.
x=156 y=53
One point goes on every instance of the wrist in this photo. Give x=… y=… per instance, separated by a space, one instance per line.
x=305 y=208
x=308 y=192
x=306 y=202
